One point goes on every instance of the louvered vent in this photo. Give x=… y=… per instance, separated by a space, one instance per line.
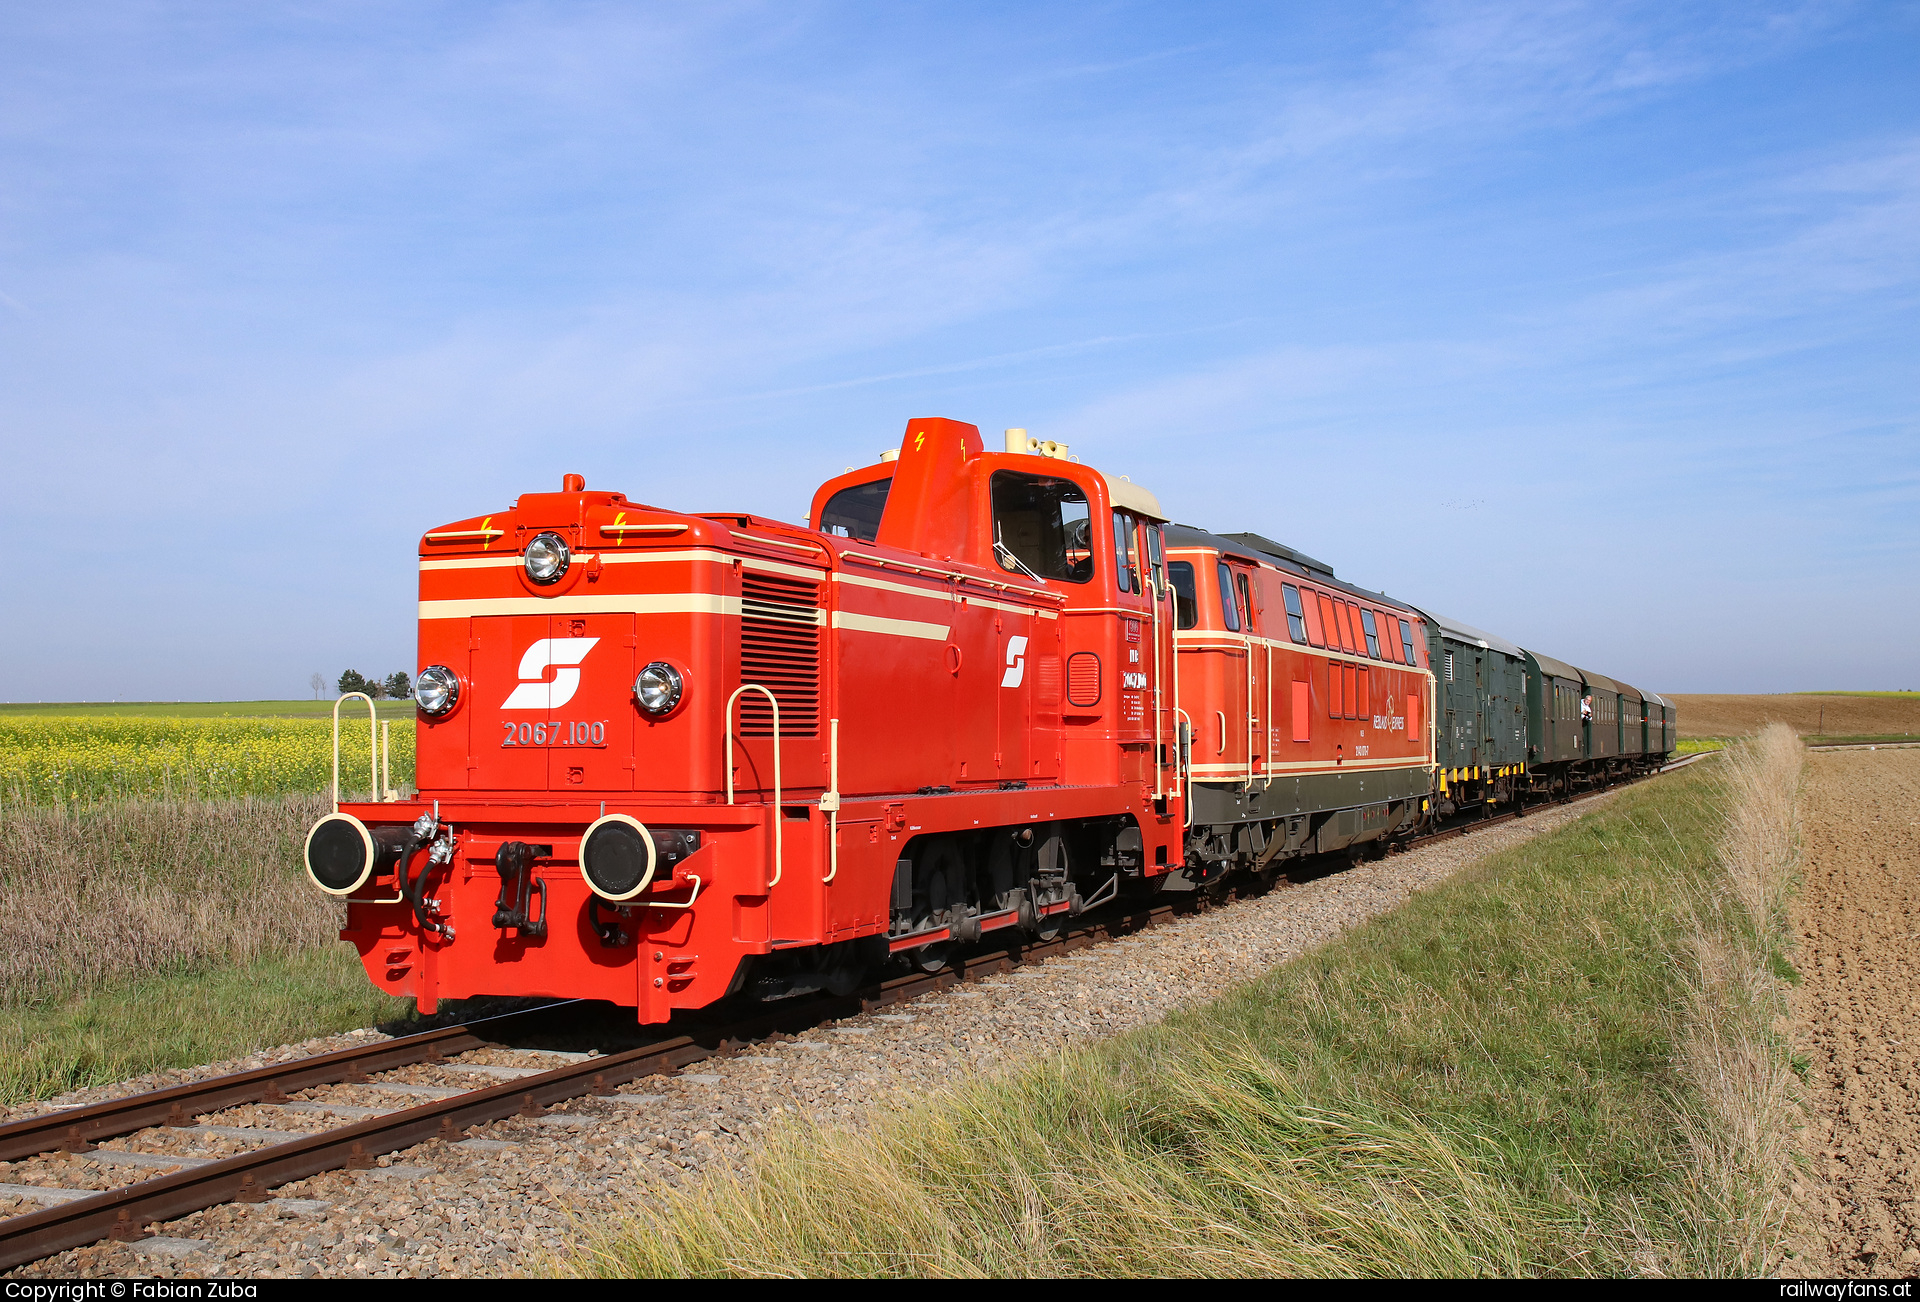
x=1083 y=679
x=780 y=650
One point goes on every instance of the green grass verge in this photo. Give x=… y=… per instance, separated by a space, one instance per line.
x=184 y=1018
x=1813 y=739
x=1491 y=1080
x=1696 y=745
x=205 y=709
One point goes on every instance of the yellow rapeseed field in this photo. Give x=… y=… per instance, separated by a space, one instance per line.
x=49 y=760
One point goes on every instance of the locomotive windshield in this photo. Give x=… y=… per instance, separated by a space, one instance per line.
x=1041 y=527
x=855 y=512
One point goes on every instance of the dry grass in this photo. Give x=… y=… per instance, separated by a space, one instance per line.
x=138 y=935
x=1741 y=1106
x=90 y=894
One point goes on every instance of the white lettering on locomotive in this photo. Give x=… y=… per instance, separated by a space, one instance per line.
x=563 y=655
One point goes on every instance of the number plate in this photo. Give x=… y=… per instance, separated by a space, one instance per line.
x=566 y=734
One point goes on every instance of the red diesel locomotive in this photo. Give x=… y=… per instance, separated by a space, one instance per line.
x=665 y=758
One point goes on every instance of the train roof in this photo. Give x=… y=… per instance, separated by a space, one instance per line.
x=1629 y=690
x=1599 y=680
x=1236 y=544
x=1555 y=668
x=1459 y=632
x=1280 y=551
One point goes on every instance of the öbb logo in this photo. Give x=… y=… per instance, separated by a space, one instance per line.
x=561 y=654
x=1016 y=662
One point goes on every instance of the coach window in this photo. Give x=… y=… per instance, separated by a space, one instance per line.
x=1296 y=613
x=1126 y=575
x=1373 y=634
x=1227 y=611
x=1406 y=641
x=1041 y=527
x=855 y=512
x=1186 y=602
x=1316 y=633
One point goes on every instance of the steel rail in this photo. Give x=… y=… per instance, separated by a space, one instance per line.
x=124 y=1213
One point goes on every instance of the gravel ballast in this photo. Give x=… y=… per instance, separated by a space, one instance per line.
x=514 y=1193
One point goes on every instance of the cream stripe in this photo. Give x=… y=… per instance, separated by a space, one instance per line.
x=611 y=603
x=898 y=627
x=638 y=558
x=470 y=563
x=1197 y=640
x=940 y=594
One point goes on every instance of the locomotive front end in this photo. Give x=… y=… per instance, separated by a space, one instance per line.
x=584 y=823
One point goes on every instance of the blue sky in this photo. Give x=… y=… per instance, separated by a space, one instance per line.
x=1592 y=325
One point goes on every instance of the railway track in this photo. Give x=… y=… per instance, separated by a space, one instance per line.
x=187 y=1182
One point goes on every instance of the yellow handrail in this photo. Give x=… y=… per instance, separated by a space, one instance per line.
x=778 y=815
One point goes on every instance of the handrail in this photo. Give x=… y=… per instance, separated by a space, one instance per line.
x=886 y=562
x=786 y=542
x=373 y=745
x=1183 y=744
x=830 y=801
x=684 y=904
x=726 y=721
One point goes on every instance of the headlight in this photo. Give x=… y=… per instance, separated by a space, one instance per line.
x=437 y=690
x=547 y=558
x=658 y=687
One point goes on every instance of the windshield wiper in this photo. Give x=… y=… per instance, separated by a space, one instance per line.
x=1011 y=562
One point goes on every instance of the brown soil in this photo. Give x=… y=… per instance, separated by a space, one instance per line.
x=1844 y=716
x=1856 y=1019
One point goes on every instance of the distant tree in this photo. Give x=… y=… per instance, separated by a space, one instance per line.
x=317 y=683
x=375 y=688
x=351 y=681
x=398 y=686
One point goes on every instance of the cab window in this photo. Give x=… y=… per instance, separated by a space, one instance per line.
x=1406 y=641
x=1228 y=613
x=1296 y=613
x=1126 y=574
x=1246 y=601
x=1373 y=633
x=1041 y=527
x=1186 y=604
x=1154 y=560
x=855 y=512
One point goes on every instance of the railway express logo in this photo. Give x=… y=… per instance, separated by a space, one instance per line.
x=561 y=654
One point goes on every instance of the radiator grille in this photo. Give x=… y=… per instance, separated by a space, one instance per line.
x=780 y=650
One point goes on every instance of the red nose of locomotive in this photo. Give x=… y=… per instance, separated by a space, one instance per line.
x=571 y=746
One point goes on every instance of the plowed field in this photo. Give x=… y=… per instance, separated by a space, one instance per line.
x=1857 y=1019
x=1831 y=716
